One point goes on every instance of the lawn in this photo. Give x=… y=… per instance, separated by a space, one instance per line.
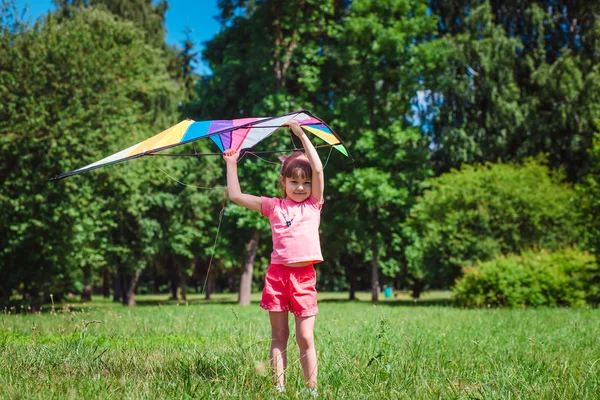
x=398 y=349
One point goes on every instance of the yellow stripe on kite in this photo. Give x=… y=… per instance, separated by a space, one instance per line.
x=166 y=138
x=326 y=136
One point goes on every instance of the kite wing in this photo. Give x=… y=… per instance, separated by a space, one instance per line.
x=237 y=134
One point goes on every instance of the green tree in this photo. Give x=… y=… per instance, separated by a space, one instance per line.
x=381 y=59
x=478 y=110
x=517 y=84
x=91 y=82
x=147 y=15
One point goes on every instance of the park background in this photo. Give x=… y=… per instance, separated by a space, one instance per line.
x=473 y=191
x=472 y=129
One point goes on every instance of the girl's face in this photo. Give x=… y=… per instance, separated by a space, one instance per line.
x=297 y=189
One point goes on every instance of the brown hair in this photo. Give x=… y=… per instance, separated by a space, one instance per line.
x=294 y=166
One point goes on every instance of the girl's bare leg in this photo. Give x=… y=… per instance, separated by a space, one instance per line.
x=280 y=333
x=305 y=327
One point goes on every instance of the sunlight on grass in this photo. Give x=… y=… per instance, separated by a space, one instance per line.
x=205 y=349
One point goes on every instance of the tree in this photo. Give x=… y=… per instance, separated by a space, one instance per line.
x=91 y=81
x=380 y=63
x=516 y=85
x=148 y=17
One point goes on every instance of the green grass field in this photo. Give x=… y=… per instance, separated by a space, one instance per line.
x=397 y=349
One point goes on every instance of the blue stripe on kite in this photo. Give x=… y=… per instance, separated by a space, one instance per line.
x=196 y=130
x=321 y=128
x=218 y=142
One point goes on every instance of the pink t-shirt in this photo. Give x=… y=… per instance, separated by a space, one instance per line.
x=295 y=229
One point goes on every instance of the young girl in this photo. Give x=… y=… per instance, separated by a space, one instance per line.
x=290 y=280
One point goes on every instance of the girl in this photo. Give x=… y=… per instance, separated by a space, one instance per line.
x=290 y=280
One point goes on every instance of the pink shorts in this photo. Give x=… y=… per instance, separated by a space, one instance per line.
x=290 y=289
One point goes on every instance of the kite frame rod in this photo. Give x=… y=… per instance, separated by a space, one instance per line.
x=242 y=152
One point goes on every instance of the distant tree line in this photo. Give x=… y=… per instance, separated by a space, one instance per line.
x=473 y=127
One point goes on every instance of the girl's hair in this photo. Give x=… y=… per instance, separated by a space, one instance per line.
x=295 y=166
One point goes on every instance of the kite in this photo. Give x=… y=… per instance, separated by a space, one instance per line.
x=238 y=134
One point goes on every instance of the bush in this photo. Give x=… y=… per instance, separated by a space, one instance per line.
x=481 y=212
x=589 y=190
x=564 y=278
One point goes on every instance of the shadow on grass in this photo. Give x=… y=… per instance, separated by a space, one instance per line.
x=401 y=299
x=396 y=303
x=386 y=302
x=183 y=303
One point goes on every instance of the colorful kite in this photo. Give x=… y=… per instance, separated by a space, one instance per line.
x=239 y=134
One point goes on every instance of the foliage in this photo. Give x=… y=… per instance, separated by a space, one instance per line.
x=378 y=60
x=481 y=212
x=520 y=81
x=149 y=18
x=91 y=82
x=414 y=87
x=563 y=278
x=589 y=191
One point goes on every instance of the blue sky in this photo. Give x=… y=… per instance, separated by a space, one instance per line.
x=198 y=15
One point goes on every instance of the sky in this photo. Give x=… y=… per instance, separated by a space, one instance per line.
x=197 y=15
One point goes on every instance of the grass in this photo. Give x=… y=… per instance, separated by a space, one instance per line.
x=397 y=349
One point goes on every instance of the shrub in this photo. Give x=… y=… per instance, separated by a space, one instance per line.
x=481 y=212
x=563 y=278
x=589 y=190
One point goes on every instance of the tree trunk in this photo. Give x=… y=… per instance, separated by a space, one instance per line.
x=129 y=298
x=352 y=287
x=174 y=277
x=375 y=274
x=417 y=287
x=106 y=284
x=183 y=283
x=248 y=268
x=117 y=290
x=351 y=277
x=124 y=280
x=155 y=283
x=209 y=288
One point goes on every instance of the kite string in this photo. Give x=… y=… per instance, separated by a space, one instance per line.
x=212 y=255
x=279 y=163
x=329 y=155
x=181 y=183
x=262 y=159
x=293 y=142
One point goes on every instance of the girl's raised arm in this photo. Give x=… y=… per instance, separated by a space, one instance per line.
x=233 y=184
x=318 y=179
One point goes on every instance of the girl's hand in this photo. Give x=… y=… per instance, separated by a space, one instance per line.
x=230 y=156
x=295 y=126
